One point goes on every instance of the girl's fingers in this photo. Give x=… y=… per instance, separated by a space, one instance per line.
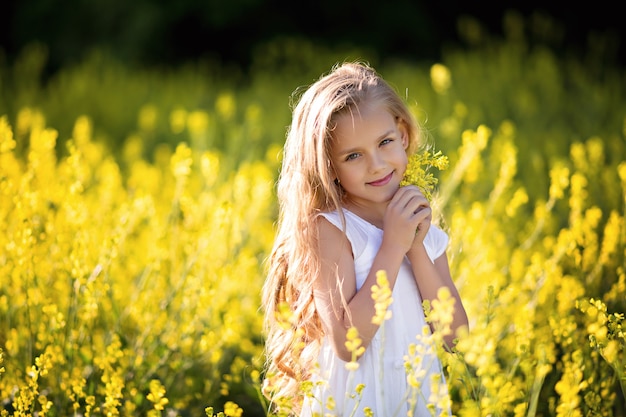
x=411 y=199
x=415 y=209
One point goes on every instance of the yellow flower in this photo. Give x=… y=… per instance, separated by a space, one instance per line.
x=353 y=344
x=157 y=395
x=381 y=294
x=7 y=143
x=232 y=409
x=181 y=161
x=441 y=78
x=417 y=171
x=226 y=105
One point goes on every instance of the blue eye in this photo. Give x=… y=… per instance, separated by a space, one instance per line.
x=386 y=141
x=352 y=156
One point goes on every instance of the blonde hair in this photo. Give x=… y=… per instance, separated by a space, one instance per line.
x=305 y=188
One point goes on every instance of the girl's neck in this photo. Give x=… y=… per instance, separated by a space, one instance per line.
x=371 y=213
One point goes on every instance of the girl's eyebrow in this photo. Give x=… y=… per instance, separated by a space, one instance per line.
x=355 y=149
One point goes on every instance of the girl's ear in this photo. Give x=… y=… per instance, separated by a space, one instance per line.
x=404 y=133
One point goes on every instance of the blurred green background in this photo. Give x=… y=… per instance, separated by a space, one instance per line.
x=166 y=33
x=109 y=59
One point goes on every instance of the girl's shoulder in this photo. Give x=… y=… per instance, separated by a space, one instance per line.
x=358 y=231
x=435 y=242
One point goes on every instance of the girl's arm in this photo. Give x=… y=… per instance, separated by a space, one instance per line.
x=338 y=303
x=431 y=276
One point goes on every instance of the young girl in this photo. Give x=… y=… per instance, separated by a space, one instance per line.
x=343 y=217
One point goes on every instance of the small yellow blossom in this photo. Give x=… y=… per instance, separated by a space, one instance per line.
x=198 y=123
x=441 y=78
x=181 y=161
x=381 y=294
x=7 y=143
x=226 y=105
x=353 y=344
x=231 y=409
x=157 y=395
x=330 y=404
x=417 y=171
x=559 y=176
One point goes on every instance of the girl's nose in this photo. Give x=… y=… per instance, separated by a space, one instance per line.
x=377 y=162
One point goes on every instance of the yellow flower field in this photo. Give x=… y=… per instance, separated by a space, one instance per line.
x=131 y=266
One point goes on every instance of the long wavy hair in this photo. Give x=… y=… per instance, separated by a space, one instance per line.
x=306 y=186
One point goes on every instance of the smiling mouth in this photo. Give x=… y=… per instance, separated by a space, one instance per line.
x=382 y=181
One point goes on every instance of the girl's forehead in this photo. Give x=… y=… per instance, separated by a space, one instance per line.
x=368 y=123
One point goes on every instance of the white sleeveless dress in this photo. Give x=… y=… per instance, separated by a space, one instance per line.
x=382 y=366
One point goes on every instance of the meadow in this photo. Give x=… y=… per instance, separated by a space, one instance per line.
x=137 y=207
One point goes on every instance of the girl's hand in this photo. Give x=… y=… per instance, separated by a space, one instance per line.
x=408 y=211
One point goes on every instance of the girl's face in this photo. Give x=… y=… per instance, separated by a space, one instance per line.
x=369 y=154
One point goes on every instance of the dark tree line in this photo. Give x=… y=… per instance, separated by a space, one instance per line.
x=149 y=32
